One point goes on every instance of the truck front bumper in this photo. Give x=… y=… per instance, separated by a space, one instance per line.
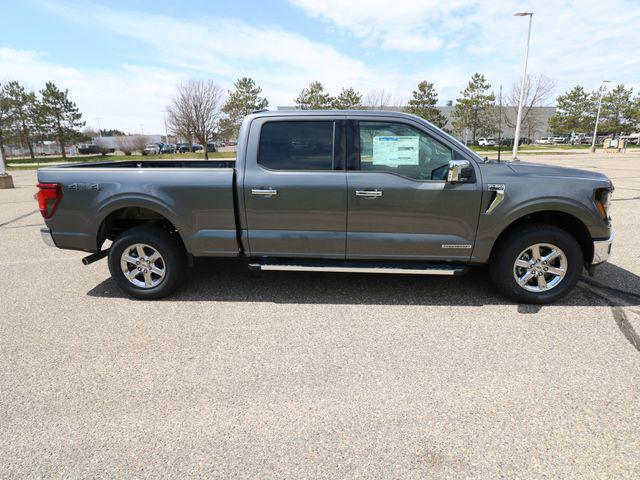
x=47 y=238
x=602 y=250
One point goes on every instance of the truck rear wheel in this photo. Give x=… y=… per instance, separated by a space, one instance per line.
x=147 y=262
x=536 y=263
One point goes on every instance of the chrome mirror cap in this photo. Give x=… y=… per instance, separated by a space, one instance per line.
x=459 y=171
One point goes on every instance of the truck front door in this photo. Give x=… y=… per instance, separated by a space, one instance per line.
x=399 y=203
x=295 y=187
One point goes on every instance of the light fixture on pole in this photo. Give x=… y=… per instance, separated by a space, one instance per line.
x=595 y=129
x=516 y=140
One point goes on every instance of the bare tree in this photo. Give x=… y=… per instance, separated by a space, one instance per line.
x=196 y=108
x=538 y=92
x=90 y=133
x=104 y=147
x=128 y=144
x=380 y=99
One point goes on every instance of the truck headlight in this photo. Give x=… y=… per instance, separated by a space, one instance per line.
x=603 y=202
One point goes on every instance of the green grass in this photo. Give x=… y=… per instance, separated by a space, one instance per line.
x=111 y=158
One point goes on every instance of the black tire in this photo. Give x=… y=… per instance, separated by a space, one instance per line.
x=508 y=249
x=173 y=261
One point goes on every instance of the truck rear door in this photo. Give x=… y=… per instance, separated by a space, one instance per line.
x=295 y=187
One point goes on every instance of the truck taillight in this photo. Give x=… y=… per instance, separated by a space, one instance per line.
x=48 y=196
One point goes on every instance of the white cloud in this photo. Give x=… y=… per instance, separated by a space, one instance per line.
x=129 y=97
x=401 y=43
x=228 y=48
x=572 y=41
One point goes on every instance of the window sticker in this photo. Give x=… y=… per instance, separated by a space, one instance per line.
x=395 y=150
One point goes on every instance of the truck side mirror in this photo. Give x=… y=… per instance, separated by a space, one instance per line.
x=459 y=171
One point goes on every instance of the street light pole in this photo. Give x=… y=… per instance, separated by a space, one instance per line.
x=500 y=125
x=6 y=180
x=3 y=169
x=595 y=129
x=516 y=140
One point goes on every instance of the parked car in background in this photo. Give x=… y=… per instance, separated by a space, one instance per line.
x=581 y=139
x=91 y=149
x=559 y=139
x=321 y=191
x=545 y=141
x=487 y=142
x=168 y=148
x=211 y=147
x=88 y=149
x=186 y=148
x=152 y=149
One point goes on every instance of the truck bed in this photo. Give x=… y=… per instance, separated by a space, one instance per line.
x=196 y=197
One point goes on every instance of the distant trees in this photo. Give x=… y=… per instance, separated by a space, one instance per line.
x=348 y=99
x=60 y=117
x=5 y=120
x=244 y=99
x=196 y=109
x=619 y=111
x=474 y=110
x=128 y=144
x=575 y=112
x=538 y=92
x=423 y=104
x=380 y=99
x=23 y=113
x=314 y=97
x=112 y=132
x=26 y=116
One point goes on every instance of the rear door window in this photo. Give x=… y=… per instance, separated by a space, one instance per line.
x=297 y=145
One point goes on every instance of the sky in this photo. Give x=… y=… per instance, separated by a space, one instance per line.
x=122 y=60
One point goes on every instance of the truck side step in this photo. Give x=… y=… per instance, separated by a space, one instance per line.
x=405 y=268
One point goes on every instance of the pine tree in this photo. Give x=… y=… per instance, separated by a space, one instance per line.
x=314 y=97
x=475 y=111
x=616 y=114
x=5 y=120
x=60 y=116
x=244 y=99
x=348 y=99
x=23 y=108
x=423 y=104
x=575 y=112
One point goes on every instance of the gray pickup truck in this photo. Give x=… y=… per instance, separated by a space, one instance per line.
x=335 y=191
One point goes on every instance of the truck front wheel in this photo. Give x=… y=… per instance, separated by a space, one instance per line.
x=536 y=263
x=147 y=262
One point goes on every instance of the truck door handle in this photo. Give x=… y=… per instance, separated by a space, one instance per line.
x=265 y=192
x=369 y=193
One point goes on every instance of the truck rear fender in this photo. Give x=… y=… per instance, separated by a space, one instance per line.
x=127 y=206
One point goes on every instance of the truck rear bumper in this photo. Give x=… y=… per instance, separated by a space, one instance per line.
x=47 y=238
x=602 y=250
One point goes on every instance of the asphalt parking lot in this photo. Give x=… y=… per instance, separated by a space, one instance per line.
x=316 y=375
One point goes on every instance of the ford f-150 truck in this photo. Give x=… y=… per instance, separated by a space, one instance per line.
x=335 y=191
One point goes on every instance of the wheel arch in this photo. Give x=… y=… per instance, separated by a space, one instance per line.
x=123 y=217
x=563 y=220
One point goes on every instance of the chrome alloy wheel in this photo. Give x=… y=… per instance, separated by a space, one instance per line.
x=540 y=267
x=142 y=265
